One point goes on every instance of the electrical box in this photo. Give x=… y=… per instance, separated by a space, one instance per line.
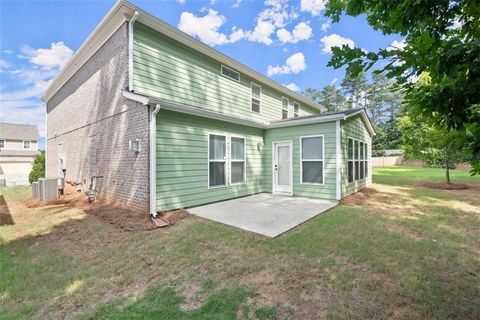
x=134 y=145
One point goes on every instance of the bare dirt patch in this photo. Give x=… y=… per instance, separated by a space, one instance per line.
x=359 y=198
x=445 y=186
x=270 y=291
x=110 y=212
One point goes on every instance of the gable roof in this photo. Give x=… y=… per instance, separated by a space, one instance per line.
x=123 y=11
x=16 y=131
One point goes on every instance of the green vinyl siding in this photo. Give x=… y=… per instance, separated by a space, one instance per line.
x=326 y=191
x=354 y=128
x=182 y=160
x=167 y=69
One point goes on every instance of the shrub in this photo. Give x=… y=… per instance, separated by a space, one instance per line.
x=38 y=168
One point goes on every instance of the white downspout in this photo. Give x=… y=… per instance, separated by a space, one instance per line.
x=338 y=160
x=153 y=159
x=130 y=51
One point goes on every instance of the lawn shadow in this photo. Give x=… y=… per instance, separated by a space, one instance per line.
x=5 y=215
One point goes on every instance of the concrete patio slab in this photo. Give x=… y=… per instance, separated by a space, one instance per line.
x=264 y=213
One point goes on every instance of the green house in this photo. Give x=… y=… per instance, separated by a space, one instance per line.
x=159 y=120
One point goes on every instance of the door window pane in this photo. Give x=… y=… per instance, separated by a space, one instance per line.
x=312 y=172
x=284 y=166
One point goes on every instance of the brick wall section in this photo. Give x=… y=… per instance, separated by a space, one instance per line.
x=90 y=105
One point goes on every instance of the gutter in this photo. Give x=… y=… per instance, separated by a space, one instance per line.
x=130 y=50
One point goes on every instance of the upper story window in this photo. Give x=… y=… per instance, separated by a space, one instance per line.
x=285 y=103
x=296 y=109
x=256 y=97
x=2 y=143
x=27 y=144
x=230 y=73
x=357 y=160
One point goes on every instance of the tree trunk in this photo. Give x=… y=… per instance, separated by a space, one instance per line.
x=447 y=167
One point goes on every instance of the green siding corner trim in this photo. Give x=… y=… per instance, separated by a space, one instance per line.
x=326 y=191
x=353 y=128
x=166 y=69
x=182 y=160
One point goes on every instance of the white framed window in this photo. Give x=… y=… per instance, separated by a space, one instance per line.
x=285 y=104
x=256 y=97
x=296 y=109
x=27 y=144
x=312 y=160
x=230 y=73
x=357 y=156
x=217 y=160
x=2 y=143
x=237 y=160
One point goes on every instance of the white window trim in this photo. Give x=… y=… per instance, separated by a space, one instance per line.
x=251 y=97
x=288 y=106
x=221 y=73
x=228 y=160
x=208 y=160
x=365 y=159
x=4 y=144
x=298 y=113
x=323 y=160
x=233 y=160
x=30 y=145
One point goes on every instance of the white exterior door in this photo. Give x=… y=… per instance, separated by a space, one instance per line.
x=282 y=168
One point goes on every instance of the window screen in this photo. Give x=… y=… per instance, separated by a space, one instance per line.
x=284 y=108
x=237 y=147
x=256 y=97
x=217 y=160
x=229 y=73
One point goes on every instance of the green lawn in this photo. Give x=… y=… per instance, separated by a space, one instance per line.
x=406 y=252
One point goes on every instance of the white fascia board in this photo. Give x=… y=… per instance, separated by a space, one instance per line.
x=179 y=107
x=297 y=122
x=118 y=15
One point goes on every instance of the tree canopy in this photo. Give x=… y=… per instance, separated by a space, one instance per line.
x=441 y=38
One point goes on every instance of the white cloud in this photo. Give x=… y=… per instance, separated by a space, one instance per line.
x=312 y=6
x=302 y=31
x=397 y=45
x=22 y=104
x=276 y=15
x=334 y=40
x=333 y=81
x=294 y=64
x=4 y=65
x=262 y=33
x=292 y=86
x=236 y=4
x=8 y=51
x=325 y=26
x=51 y=58
x=181 y=1
x=206 y=28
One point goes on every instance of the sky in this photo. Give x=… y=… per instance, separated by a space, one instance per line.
x=289 y=41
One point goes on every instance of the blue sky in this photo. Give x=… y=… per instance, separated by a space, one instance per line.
x=286 y=40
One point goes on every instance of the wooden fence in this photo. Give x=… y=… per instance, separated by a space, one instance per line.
x=401 y=161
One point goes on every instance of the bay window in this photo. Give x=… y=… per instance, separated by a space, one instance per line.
x=357 y=159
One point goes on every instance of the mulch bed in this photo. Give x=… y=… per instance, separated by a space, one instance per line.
x=122 y=217
x=446 y=186
x=359 y=197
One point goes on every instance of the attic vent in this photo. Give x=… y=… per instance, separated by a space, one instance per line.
x=229 y=73
x=134 y=145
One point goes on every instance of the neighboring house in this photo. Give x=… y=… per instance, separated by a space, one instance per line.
x=18 y=148
x=151 y=117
